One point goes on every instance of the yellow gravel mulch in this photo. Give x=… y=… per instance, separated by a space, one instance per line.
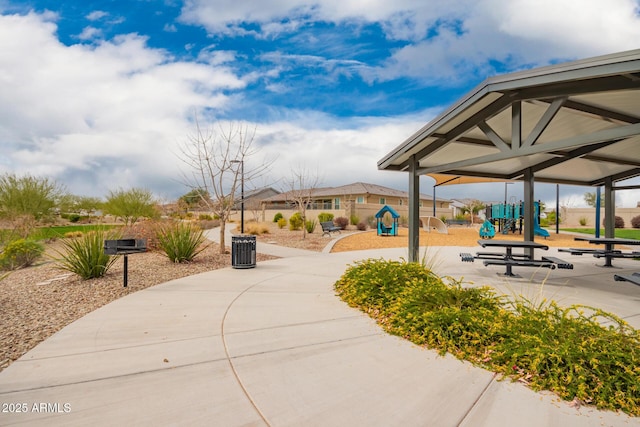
x=457 y=236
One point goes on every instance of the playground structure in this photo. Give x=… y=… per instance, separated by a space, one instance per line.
x=508 y=218
x=384 y=229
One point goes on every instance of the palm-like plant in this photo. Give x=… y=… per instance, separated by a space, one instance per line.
x=181 y=241
x=85 y=255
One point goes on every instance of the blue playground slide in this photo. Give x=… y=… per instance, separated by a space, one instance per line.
x=540 y=231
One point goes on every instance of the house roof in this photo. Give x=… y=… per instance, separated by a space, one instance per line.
x=354 y=189
x=259 y=191
x=574 y=123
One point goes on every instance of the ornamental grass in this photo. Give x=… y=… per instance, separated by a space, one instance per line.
x=580 y=353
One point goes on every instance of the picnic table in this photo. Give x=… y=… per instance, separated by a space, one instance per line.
x=609 y=252
x=510 y=259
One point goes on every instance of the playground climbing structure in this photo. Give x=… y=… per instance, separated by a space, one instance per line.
x=508 y=218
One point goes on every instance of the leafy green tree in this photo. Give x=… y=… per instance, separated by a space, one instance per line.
x=27 y=196
x=131 y=205
x=196 y=198
x=73 y=203
x=590 y=199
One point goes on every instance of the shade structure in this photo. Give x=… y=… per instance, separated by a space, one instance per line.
x=443 y=179
x=574 y=123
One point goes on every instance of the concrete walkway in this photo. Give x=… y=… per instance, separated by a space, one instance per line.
x=273 y=346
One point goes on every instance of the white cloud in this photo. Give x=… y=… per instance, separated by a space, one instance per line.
x=90 y=33
x=446 y=41
x=355 y=145
x=69 y=110
x=112 y=114
x=97 y=15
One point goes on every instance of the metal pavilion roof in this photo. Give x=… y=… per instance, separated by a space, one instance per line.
x=573 y=123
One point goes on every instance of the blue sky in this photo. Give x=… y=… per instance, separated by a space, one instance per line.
x=100 y=95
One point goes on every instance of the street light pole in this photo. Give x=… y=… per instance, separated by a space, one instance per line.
x=504 y=219
x=241 y=194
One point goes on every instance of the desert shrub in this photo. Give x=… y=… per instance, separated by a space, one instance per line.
x=180 y=241
x=341 y=222
x=362 y=226
x=73 y=234
x=282 y=223
x=277 y=217
x=73 y=217
x=580 y=353
x=325 y=217
x=295 y=222
x=256 y=228
x=20 y=253
x=85 y=255
x=205 y=217
x=443 y=218
x=635 y=221
x=372 y=221
x=310 y=225
x=583 y=221
x=147 y=230
x=354 y=220
x=403 y=221
x=618 y=222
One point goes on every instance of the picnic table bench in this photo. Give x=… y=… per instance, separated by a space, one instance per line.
x=328 y=227
x=633 y=278
x=510 y=259
x=609 y=252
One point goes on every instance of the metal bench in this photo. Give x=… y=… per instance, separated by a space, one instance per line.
x=618 y=254
x=328 y=227
x=582 y=251
x=519 y=263
x=633 y=278
x=558 y=262
x=467 y=257
x=498 y=255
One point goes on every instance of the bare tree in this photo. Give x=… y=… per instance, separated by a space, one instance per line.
x=218 y=158
x=301 y=186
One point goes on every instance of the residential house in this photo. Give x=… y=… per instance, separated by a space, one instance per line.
x=359 y=199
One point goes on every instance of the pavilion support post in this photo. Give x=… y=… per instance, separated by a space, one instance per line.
x=609 y=209
x=434 y=200
x=598 y=204
x=414 y=210
x=528 y=209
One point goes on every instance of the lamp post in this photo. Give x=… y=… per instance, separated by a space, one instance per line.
x=505 y=197
x=241 y=194
x=504 y=216
x=505 y=192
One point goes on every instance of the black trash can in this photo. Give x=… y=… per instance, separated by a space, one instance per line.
x=243 y=251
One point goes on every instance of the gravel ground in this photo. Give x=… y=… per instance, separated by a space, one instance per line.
x=38 y=301
x=457 y=236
